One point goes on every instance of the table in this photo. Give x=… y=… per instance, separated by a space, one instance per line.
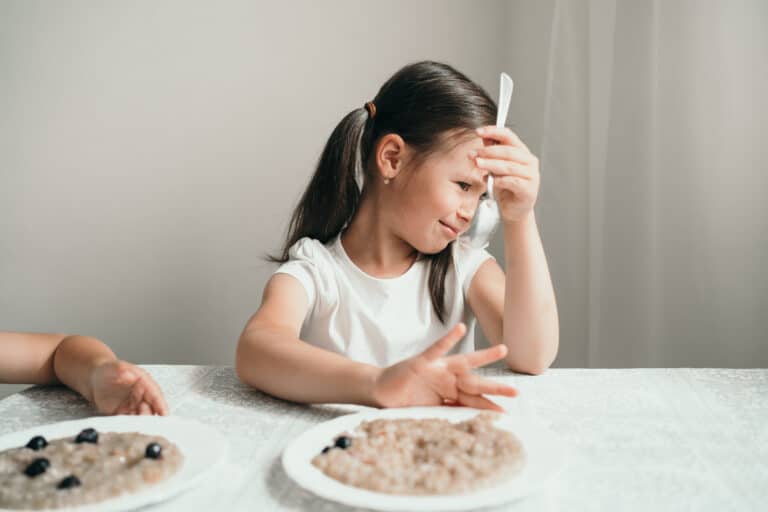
x=640 y=439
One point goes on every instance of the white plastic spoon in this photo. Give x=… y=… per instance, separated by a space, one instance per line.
x=486 y=219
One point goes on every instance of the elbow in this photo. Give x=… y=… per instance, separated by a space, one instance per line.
x=546 y=360
x=536 y=367
x=528 y=369
x=240 y=371
x=243 y=368
x=543 y=365
x=538 y=370
x=254 y=359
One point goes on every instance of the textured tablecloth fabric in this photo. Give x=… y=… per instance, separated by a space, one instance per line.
x=638 y=439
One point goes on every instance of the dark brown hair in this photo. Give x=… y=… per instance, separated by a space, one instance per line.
x=422 y=103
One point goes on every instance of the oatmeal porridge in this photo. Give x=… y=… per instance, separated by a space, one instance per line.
x=423 y=456
x=87 y=468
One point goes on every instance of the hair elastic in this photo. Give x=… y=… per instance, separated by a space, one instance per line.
x=371 y=108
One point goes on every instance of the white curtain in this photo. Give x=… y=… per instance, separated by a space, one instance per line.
x=650 y=120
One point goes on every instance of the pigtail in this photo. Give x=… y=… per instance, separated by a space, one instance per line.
x=332 y=196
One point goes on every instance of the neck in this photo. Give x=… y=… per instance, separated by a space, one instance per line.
x=372 y=246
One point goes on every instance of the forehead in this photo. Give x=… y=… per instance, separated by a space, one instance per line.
x=456 y=159
x=460 y=149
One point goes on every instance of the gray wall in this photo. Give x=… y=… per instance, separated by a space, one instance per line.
x=151 y=152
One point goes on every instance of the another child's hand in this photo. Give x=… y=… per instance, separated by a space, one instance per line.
x=120 y=387
x=515 y=172
x=432 y=379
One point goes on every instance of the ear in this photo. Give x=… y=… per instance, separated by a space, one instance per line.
x=391 y=152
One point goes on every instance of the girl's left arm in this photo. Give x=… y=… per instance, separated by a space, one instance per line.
x=516 y=307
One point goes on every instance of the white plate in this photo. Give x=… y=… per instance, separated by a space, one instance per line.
x=545 y=458
x=203 y=448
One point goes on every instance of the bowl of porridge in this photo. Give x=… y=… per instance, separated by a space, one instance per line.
x=105 y=463
x=425 y=458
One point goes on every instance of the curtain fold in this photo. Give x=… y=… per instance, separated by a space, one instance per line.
x=654 y=173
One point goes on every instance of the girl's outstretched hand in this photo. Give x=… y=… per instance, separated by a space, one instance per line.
x=432 y=379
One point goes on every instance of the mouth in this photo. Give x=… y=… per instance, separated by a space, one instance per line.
x=450 y=229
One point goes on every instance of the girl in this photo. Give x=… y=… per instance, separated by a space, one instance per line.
x=372 y=274
x=84 y=364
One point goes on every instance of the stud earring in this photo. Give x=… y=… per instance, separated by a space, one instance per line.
x=386 y=181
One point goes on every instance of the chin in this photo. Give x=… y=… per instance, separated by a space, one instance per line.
x=427 y=242
x=433 y=247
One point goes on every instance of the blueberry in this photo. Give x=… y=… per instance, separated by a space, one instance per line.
x=37 y=443
x=325 y=450
x=343 y=442
x=37 y=467
x=69 y=482
x=88 y=435
x=153 y=451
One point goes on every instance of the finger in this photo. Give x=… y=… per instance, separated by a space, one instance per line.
x=515 y=184
x=501 y=152
x=127 y=406
x=444 y=344
x=463 y=362
x=478 y=402
x=501 y=134
x=135 y=397
x=154 y=396
x=122 y=408
x=157 y=401
x=145 y=409
x=474 y=385
x=504 y=168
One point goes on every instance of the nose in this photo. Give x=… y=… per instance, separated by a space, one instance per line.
x=466 y=212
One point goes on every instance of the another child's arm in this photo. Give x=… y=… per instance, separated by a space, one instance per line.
x=272 y=358
x=84 y=364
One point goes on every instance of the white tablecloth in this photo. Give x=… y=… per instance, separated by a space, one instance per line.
x=640 y=439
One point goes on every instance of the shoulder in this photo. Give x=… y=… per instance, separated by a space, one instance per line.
x=465 y=256
x=467 y=260
x=309 y=249
x=311 y=262
x=313 y=255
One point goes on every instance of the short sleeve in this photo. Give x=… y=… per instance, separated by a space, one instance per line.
x=468 y=260
x=305 y=263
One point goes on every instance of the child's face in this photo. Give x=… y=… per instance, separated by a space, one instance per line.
x=438 y=200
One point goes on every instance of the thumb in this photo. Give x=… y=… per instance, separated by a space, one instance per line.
x=444 y=344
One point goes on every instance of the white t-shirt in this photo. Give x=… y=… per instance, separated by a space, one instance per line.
x=379 y=321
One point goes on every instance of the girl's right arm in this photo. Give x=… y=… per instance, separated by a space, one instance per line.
x=272 y=358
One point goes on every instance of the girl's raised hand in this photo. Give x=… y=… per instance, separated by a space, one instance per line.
x=515 y=171
x=430 y=378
